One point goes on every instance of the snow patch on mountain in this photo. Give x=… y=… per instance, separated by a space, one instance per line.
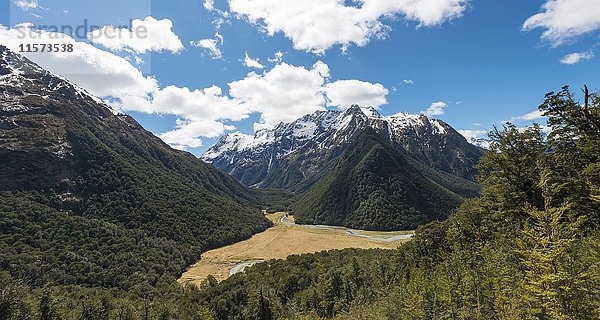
x=327 y=128
x=16 y=70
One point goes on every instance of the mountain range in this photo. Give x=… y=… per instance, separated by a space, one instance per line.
x=374 y=186
x=78 y=179
x=292 y=154
x=410 y=169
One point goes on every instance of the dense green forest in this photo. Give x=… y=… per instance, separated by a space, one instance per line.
x=90 y=198
x=528 y=248
x=375 y=187
x=131 y=211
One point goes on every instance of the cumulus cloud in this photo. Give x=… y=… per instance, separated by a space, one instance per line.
x=211 y=46
x=564 y=20
x=317 y=25
x=435 y=109
x=476 y=137
x=345 y=93
x=204 y=104
x=277 y=57
x=473 y=134
x=145 y=35
x=252 y=63
x=531 y=116
x=408 y=81
x=577 y=57
x=284 y=93
x=187 y=133
x=209 y=5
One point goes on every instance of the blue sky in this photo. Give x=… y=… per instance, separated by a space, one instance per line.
x=480 y=62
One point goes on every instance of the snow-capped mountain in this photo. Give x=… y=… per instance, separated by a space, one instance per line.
x=483 y=143
x=292 y=153
x=16 y=71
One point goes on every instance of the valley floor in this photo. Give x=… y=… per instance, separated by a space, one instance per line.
x=286 y=238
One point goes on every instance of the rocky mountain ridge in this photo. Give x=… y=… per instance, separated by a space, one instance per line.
x=293 y=153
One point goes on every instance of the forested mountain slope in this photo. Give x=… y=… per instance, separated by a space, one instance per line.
x=295 y=155
x=87 y=196
x=374 y=187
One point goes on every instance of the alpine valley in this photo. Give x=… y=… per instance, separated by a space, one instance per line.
x=99 y=217
x=356 y=168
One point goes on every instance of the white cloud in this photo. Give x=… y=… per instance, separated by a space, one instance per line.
x=145 y=35
x=576 y=57
x=284 y=93
x=435 y=109
x=345 y=93
x=473 y=134
x=209 y=5
x=408 y=81
x=27 y=4
x=277 y=57
x=317 y=25
x=211 y=46
x=252 y=63
x=476 y=137
x=101 y=73
x=564 y=20
x=531 y=116
x=205 y=104
x=201 y=112
x=187 y=133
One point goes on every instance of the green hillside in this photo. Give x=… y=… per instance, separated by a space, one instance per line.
x=374 y=187
x=90 y=197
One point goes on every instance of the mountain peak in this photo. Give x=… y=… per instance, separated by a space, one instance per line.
x=23 y=74
x=13 y=64
x=355 y=110
x=372 y=112
x=399 y=196
x=301 y=148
